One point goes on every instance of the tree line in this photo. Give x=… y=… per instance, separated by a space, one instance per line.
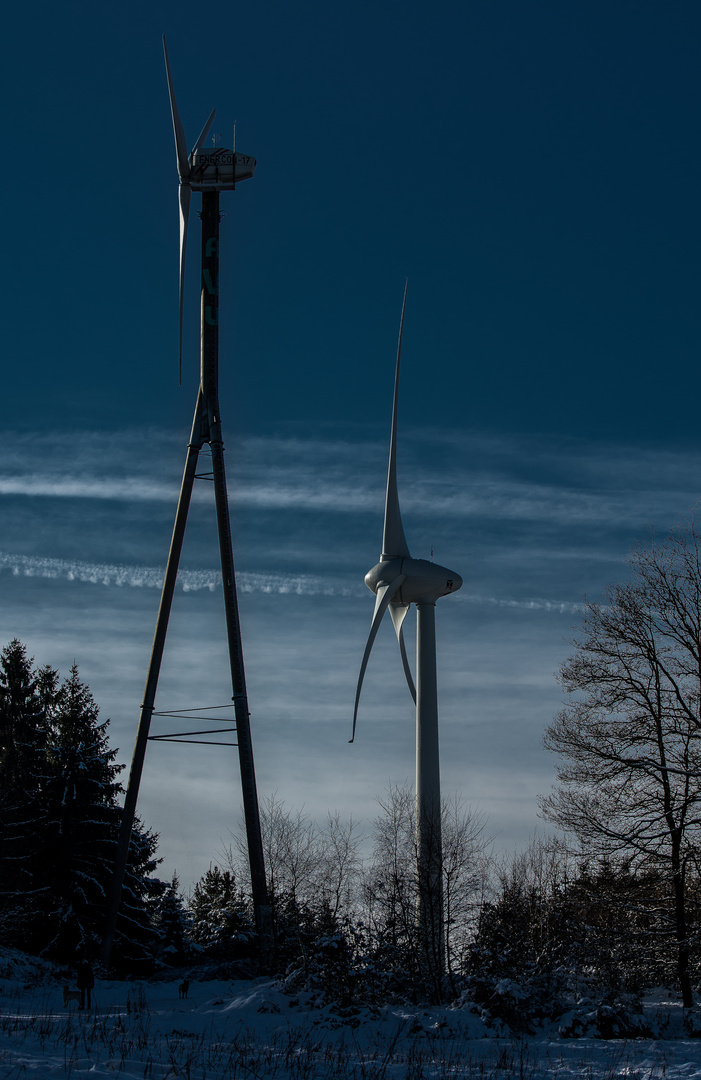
x=605 y=907
x=59 y=819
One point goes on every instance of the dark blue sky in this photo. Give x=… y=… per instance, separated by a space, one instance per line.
x=533 y=168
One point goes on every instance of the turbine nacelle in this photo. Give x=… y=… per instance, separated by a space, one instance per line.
x=219 y=169
x=422 y=581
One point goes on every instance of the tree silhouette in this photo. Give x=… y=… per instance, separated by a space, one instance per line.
x=630 y=743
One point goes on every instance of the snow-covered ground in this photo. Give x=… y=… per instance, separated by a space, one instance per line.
x=251 y=1029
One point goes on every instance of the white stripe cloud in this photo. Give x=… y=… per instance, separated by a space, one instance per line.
x=37 y=485
x=561 y=607
x=151 y=577
x=474 y=478
x=143 y=577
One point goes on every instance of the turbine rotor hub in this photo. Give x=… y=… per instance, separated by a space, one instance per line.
x=424 y=581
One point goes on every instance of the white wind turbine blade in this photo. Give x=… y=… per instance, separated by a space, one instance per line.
x=184 y=194
x=203 y=134
x=181 y=153
x=398 y=613
x=393 y=540
x=383 y=598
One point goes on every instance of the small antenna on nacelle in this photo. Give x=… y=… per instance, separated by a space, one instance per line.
x=234 y=148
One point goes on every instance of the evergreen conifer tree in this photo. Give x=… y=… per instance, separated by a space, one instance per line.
x=173 y=925
x=136 y=938
x=83 y=816
x=219 y=917
x=59 y=821
x=23 y=800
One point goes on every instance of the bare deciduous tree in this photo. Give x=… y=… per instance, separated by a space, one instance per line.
x=630 y=744
x=466 y=863
x=340 y=863
x=391 y=886
x=307 y=862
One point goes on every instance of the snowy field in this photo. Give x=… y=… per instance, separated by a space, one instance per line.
x=251 y=1029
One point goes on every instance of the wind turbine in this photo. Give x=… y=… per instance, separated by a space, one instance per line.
x=209 y=171
x=399 y=581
